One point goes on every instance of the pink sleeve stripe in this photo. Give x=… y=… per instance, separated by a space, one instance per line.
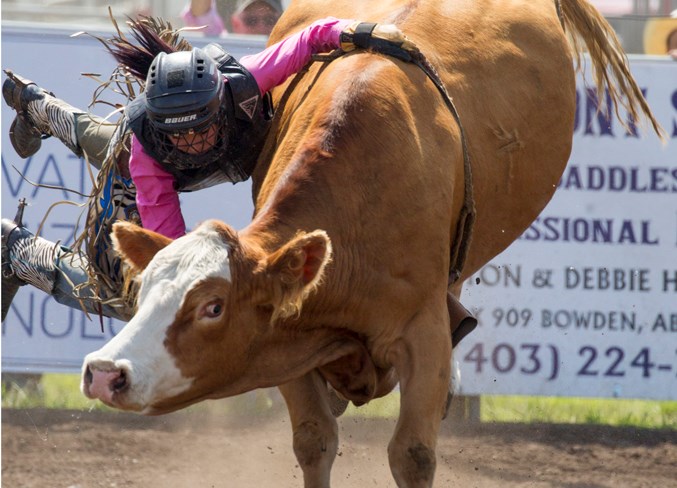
x=276 y=63
x=156 y=199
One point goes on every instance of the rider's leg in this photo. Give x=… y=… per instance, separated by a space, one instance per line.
x=94 y=135
x=72 y=288
x=55 y=269
x=39 y=114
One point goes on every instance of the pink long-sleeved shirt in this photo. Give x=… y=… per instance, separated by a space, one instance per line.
x=156 y=198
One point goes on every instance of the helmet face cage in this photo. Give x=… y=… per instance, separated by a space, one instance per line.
x=189 y=150
x=184 y=108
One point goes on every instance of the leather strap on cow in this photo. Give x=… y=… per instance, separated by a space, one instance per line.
x=462 y=321
x=466 y=221
x=363 y=34
x=386 y=39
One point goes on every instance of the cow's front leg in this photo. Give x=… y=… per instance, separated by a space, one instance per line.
x=422 y=358
x=314 y=427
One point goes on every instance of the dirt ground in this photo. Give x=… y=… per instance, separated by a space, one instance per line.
x=75 y=449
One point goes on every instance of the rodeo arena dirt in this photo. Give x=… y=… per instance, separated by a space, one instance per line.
x=76 y=449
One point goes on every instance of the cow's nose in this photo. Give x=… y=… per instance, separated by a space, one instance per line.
x=102 y=380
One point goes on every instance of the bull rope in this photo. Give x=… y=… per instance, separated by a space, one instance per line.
x=464 y=228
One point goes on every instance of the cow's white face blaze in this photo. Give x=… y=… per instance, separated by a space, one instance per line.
x=152 y=374
x=197 y=334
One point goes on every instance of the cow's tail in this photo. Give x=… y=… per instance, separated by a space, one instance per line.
x=610 y=64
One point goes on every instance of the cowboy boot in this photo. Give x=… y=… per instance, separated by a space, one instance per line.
x=39 y=115
x=26 y=259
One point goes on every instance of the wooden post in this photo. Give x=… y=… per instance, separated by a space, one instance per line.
x=465 y=409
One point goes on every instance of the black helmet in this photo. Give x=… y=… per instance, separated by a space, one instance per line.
x=184 y=95
x=183 y=91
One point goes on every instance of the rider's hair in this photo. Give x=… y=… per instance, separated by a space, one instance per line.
x=153 y=36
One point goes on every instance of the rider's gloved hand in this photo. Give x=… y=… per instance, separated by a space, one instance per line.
x=383 y=38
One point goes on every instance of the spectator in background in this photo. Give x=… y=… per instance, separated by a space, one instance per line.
x=672 y=44
x=672 y=37
x=660 y=36
x=248 y=17
x=256 y=16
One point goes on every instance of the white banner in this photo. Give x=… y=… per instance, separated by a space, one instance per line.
x=584 y=304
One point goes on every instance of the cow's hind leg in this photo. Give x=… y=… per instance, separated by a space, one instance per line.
x=422 y=358
x=314 y=427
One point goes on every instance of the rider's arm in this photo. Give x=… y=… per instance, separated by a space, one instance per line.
x=208 y=17
x=276 y=63
x=156 y=198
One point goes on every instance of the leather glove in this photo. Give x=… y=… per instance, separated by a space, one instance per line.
x=383 y=38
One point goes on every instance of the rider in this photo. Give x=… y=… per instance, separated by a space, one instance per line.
x=201 y=120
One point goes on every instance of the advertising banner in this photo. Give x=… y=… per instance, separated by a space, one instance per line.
x=585 y=302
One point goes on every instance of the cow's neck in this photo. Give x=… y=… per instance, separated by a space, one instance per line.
x=316 y=173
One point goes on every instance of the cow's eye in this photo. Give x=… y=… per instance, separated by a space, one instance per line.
x=212 y=310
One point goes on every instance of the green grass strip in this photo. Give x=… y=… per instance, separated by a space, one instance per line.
x=62 y=391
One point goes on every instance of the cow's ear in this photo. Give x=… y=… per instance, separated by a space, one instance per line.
x=135 y=245
x=295 y=270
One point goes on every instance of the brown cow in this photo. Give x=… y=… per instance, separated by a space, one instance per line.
x=341 y=277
